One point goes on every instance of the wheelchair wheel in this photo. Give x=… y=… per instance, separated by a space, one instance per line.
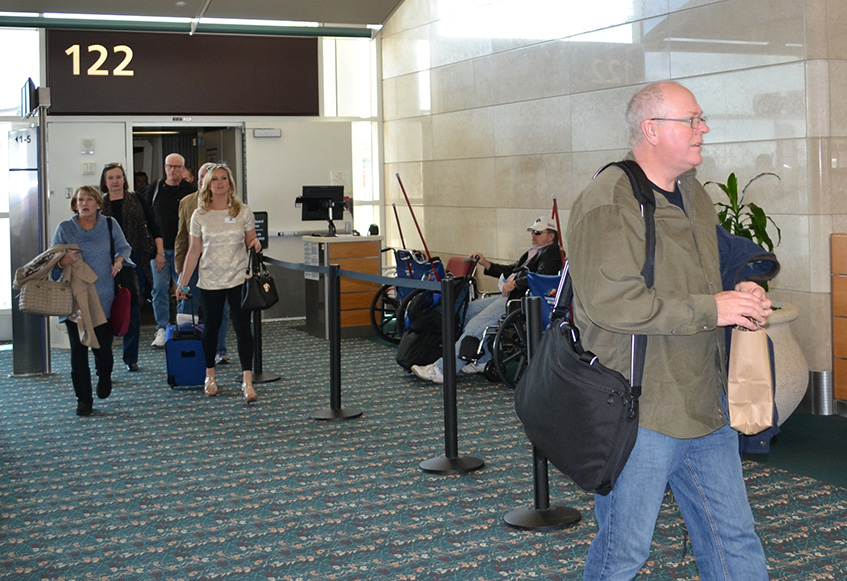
x=508 y=350
x=401 y=310
x=491 y=372
x=384 y=314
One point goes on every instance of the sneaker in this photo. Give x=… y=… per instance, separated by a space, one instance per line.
x=159 y=339
x=472 y=368
x=429 y=372
x=221 y=360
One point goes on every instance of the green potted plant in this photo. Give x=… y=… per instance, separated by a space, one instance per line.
x=745 y=219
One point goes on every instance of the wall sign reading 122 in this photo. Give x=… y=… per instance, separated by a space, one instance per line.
x=95 y=69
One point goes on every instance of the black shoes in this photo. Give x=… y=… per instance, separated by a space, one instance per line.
x=84 y=410
x=104 y=387
x=132 y=366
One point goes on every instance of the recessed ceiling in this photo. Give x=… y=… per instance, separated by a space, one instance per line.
x=339 y=12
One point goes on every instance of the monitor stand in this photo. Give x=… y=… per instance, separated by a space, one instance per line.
x=331 y=229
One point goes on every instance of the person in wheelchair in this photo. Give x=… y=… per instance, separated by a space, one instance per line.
x=543 y=257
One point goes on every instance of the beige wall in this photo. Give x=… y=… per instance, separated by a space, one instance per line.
x=493 y=106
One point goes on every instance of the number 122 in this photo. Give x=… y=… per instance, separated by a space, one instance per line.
x=95 y=70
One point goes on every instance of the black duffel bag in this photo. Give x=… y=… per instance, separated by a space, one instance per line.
x=578 y=413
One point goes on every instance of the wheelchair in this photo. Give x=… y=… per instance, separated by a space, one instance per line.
x=507 y=341
x=386 y=309
x=388 y=306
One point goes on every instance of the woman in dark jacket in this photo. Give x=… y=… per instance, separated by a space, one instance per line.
x=142 y=232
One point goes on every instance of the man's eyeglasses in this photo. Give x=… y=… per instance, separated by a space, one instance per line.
x=169 y=166
x=537 y=232
x=694 y=121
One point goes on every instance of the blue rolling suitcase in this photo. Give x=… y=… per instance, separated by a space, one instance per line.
x=184 y=355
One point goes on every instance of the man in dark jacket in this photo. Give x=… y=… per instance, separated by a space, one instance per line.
x=544 y=257
x=163 y=197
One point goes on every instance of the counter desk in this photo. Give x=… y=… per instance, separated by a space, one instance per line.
x=357 y=253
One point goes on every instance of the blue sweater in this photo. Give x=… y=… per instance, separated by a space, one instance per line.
x=96 y=252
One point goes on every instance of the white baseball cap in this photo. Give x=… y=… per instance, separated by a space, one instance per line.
x=541 y=224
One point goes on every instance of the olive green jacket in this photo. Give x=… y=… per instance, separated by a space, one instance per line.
x=685 y=371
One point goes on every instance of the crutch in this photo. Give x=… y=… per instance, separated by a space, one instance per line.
x=426 y=249
x=558 y=228
x=402 y=240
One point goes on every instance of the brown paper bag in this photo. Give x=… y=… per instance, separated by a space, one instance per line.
x=750 y=387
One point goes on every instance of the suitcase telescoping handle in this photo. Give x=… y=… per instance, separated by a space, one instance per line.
x=179 y=332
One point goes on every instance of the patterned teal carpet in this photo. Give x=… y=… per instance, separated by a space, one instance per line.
x=167 y=484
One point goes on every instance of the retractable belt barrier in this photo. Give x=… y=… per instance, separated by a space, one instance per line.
x=541 y=516
x=450 y=462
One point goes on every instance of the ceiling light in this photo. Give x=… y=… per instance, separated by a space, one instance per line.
x=20 y=14
x=118 y=17
x=718 y=41
x=247 y=22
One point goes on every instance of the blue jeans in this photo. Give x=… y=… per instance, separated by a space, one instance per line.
x=162 y=291
x=481 y=313
x=708 y=486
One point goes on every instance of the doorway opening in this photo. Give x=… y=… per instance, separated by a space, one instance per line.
x=197 y=144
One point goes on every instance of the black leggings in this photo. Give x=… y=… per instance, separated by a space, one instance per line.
x=103 y=358
x=213 y=313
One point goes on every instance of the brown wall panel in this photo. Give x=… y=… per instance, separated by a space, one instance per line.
x=839 y=296
x=838 y=253
x=98 y=72
x=839 y=378
x=361 y=300
x=358 y=318
x=352 y=285
x=839 y=337
x=354 y=250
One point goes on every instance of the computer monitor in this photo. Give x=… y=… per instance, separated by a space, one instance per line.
x=322 y=203
x=29 y=99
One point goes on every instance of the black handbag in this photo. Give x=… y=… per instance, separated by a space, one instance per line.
x=259 y=290
x=581 y=415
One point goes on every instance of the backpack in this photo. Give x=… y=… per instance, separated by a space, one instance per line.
x=420 y=343
x=418 y=348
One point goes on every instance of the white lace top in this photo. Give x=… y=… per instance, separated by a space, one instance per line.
x=224 y=259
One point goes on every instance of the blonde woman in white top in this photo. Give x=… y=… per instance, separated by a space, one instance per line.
x=222 y=230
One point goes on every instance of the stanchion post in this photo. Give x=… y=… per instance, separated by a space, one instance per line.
x=333 y=314
x=259 y=375
x=541 y=515
x=451 y=462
